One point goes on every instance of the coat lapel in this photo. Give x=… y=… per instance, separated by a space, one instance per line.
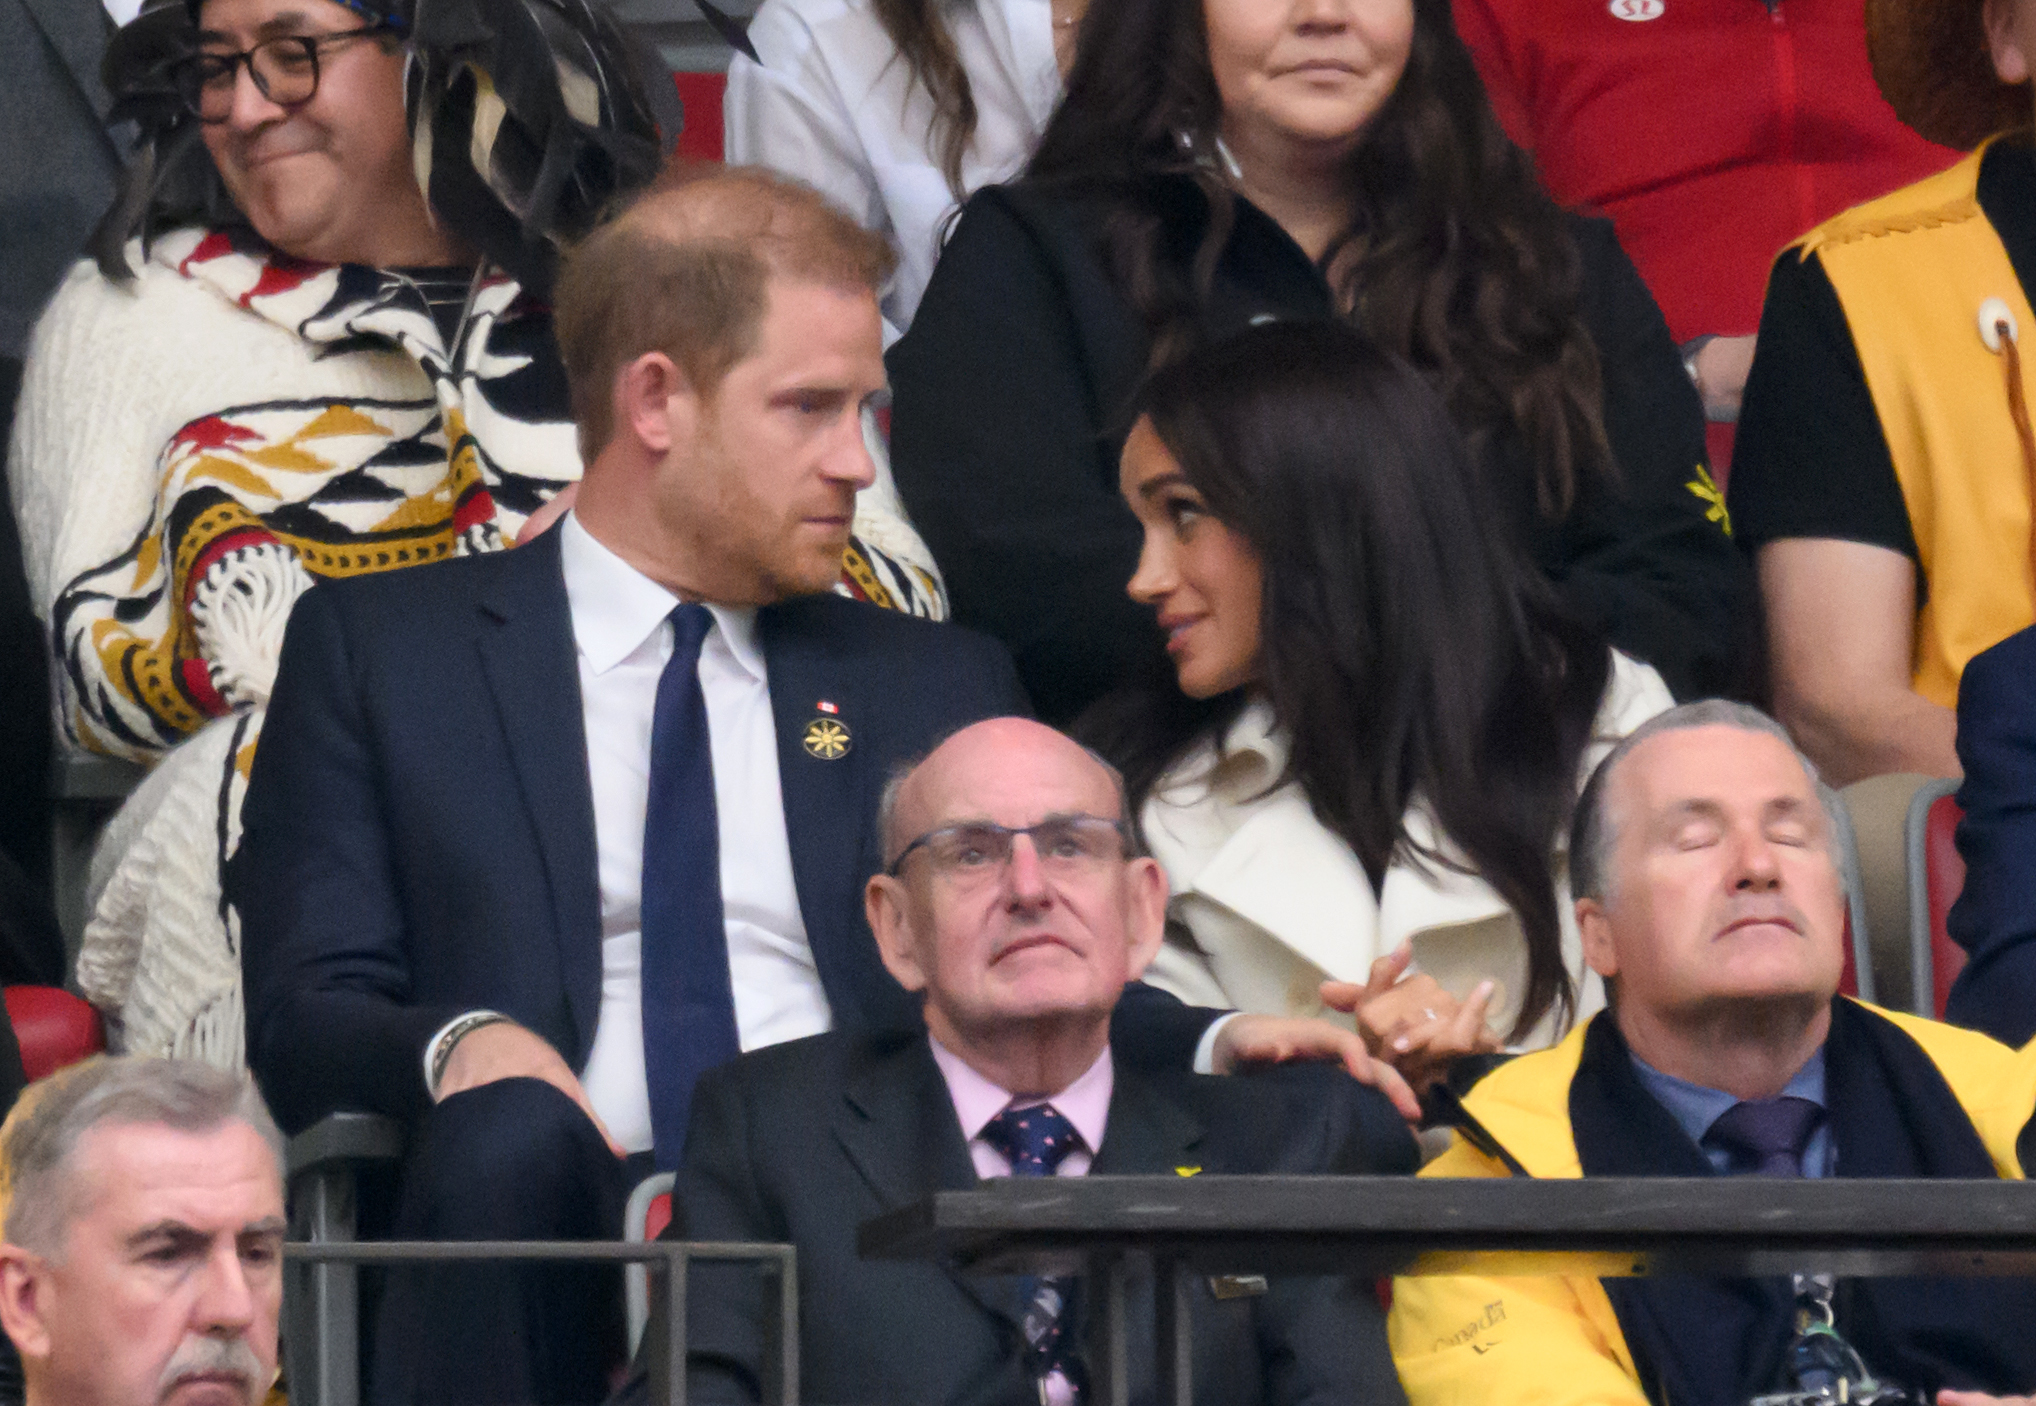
x=898 y=1128
x=532 y=667
x=825 y=790
x=1148 y=1134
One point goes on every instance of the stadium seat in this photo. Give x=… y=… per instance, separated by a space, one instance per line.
x=321 y=1313
x=1936 y=874
x=53 y=1027
x=84 y=792
x=649 y=1212
x=1857 y=979
x=701 y=138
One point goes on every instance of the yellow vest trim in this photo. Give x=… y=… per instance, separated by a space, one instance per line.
x=1911 y=271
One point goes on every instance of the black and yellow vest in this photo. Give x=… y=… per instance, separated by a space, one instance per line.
x=1913 y=271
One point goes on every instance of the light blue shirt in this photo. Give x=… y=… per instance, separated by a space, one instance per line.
x=1695 y=1108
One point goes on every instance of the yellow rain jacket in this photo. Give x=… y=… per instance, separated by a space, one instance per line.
x=1549 y=1341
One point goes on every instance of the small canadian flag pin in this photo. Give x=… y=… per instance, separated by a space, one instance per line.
x=824 y=706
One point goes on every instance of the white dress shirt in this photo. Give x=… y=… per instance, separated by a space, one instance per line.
x=624 y=637
x=834 y=105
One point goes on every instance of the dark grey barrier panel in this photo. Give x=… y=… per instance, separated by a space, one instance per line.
x=1368 y=1226
x=672 y=1258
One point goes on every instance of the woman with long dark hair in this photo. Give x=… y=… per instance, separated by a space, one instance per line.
x=1221 y=162
x=1377 y=715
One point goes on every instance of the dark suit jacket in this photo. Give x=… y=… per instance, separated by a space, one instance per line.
x=419 y=829
x=1994 y=919
x=805 y=1141
x=58 y=166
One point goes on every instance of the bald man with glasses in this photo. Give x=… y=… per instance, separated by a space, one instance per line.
x=1015 y=905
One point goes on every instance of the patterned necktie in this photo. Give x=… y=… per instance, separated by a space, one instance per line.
x=1766 y=1137
x=688 y=1001
x=1037 y=1140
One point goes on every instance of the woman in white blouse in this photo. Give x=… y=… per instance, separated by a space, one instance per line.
x=1378 y=715
x=896 y=109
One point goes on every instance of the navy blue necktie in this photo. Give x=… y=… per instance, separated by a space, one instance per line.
x=688 y=1002
x=1037 y=1140
x=1766 y=1137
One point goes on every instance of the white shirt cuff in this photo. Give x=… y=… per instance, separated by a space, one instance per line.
x=431 y=1048
x=1205 y=1052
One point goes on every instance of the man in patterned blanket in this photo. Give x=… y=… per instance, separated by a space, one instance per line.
x=316 y=377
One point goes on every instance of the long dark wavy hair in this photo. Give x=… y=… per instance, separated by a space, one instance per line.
x=926 y=48
x=1456 y=259
x=1406 y=645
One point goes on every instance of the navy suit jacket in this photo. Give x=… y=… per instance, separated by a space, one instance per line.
x=419 y=828
x=1994 y=919
x=805 y=1141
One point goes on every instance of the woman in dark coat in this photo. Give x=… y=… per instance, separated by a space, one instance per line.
x=1218 y=163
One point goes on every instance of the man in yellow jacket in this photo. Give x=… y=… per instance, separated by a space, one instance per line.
x=1709 y=900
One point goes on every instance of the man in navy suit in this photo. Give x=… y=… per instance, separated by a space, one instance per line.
x=533 y=839
x=1994 y=919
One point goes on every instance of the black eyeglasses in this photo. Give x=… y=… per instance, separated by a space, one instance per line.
x=977 y=849
x=285 y=69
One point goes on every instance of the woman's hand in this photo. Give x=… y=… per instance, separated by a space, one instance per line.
x=1277 y=1039
x=1411 y=1022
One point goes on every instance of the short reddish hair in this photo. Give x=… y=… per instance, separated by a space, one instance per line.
x=685 y=269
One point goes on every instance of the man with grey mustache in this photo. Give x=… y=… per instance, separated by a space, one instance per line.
x=144 y=1236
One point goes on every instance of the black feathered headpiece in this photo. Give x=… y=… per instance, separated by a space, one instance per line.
x=528 y=119
x=170 y=180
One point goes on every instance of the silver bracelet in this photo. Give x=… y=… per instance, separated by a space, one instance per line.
x=451 y=1036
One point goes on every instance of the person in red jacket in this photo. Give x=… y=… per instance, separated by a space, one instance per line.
x=1711 y=132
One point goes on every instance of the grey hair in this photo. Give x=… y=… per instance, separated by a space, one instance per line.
x=887 y=803
x=1592 y=833
x=41 y=1134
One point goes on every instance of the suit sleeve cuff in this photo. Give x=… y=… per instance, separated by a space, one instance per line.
x=1205 y=1050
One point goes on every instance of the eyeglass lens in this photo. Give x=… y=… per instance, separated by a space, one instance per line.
x=285 y=70
x=1064 y=841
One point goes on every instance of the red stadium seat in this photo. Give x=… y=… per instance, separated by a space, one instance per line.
x=1848 y=977
x=1936 y=875
x=658 y=1216
x=53 y=1027
x=701 y=93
